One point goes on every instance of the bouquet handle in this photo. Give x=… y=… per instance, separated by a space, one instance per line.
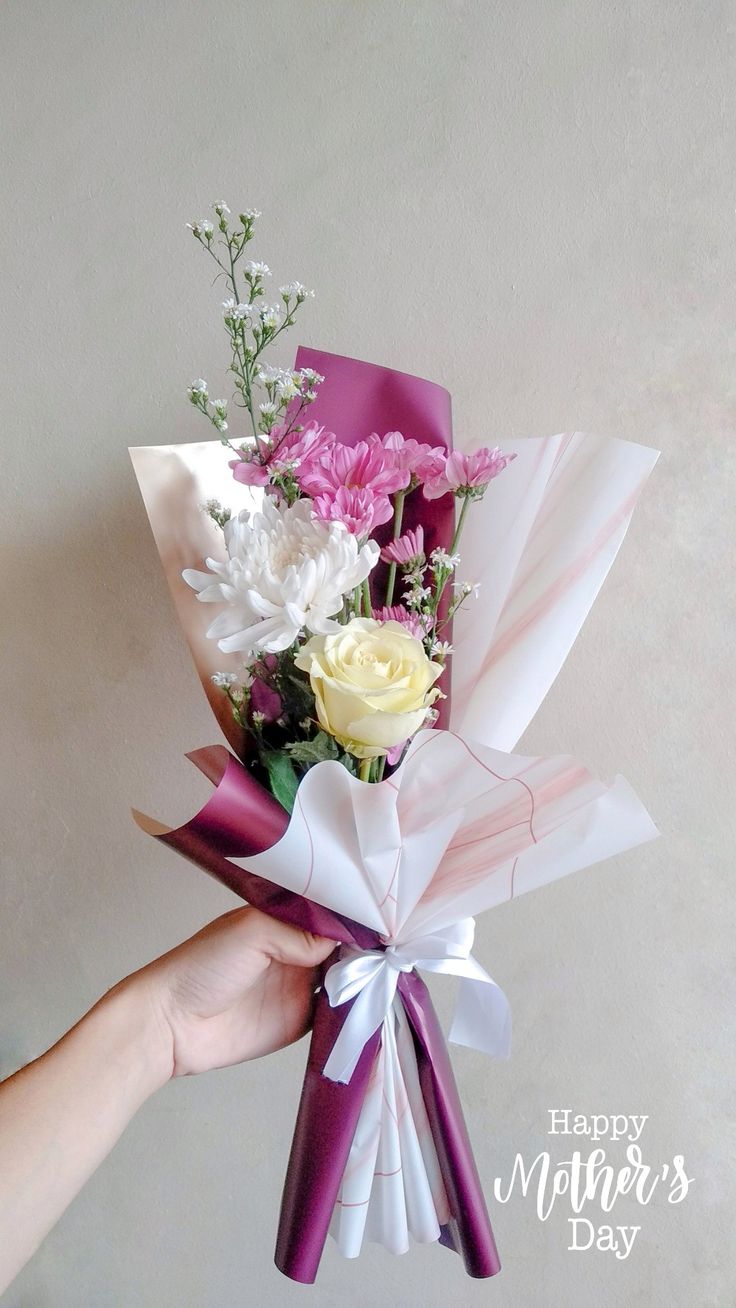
x=326 y=1122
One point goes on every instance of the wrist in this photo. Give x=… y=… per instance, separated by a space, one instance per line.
x=138 y=1037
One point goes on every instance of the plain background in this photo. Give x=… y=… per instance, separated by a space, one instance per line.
x=532 y=203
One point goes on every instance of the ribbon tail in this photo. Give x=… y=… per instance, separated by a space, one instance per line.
x=482 y=1018
x=364 y=1019
x=468 y=1230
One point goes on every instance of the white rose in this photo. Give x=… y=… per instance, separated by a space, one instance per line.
x=372 y=682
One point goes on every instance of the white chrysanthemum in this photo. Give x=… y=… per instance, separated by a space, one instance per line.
x=285 y=572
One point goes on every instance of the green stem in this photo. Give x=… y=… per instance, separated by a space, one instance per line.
x=365 y=769
x=395 y=533
x=367 y=599
x=233 y=278
x=381 y=768
x=460 y=524
x=443 y=580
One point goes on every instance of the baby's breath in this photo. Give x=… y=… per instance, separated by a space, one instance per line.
x=252 y=326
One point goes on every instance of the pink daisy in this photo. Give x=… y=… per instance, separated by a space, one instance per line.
x=464 y=474
x=298 y=449
x=301 y=449
x=413 y=622
x=358 y=467
x=406 y=550
x=359 y=508
x=422 y=462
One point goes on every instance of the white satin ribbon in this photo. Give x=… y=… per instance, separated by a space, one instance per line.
x=482 y=1016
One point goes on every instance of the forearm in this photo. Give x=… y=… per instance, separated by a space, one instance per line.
x=60 y=1116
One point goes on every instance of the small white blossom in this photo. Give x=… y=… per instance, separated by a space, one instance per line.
x=296 y=289
x=207 y=229
x=271 y=375
x=258 y=718
x=286 y=387
x=198 y=387
x=220 y=407
x=220 y=208
x=223 y=679
x=233 y=312
x=416 y=595
x=250 y=215
x=441 y=649
x=256 y=269
x=268 y=409
x=310 y=377
x=271 y=316
x=468 y=589
x=442 y=559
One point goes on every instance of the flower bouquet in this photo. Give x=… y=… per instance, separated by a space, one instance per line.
x=377 y=618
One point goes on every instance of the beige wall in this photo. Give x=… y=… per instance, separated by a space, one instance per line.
x=532 y=203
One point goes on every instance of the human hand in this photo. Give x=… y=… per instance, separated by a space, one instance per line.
x=242 y=987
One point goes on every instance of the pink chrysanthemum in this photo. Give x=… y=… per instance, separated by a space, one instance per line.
x=406 y=550
x=414 y=623
x=422 y=462
x=301 y=449
x=464 y=474
x=297 y=449
x=360 y=509
x=358 y=467
x=251 y=472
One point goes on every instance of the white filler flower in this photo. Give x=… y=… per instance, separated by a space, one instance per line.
x=285 y=571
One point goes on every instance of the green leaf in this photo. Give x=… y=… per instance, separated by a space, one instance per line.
x=296 y=693
x=313 y=751
x=281 y=777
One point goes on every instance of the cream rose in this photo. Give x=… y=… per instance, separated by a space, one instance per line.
x=373 y=684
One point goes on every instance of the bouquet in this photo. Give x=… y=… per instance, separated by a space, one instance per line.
x=375 y=617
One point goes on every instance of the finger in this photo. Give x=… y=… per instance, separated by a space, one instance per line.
x=286 y=944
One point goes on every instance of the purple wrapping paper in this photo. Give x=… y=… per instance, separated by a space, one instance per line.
x=242 y=818
x=358 y=398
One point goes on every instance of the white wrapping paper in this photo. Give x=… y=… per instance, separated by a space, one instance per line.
x=460 y=827
x=457 y=829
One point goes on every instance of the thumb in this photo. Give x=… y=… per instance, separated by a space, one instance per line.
x=288 y=944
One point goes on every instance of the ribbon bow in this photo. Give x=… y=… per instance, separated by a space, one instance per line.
x=482 y=1017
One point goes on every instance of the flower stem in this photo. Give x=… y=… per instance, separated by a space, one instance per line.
x=367 y=599
x=395 y=533
x=460 y=524
x=365 y=769
x=444 y=576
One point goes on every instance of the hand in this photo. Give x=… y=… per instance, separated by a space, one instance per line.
x=242 y=987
